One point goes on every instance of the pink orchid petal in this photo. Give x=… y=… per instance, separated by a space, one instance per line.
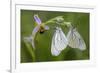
x=37 y=19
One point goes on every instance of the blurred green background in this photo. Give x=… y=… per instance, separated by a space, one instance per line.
x=42 y=53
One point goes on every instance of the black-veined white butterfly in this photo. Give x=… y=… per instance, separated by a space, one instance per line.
x=59 y=42
x=75 y=40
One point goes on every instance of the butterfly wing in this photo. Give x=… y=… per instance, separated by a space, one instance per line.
x=75 y=40
x=59 y=42
x=82 y=45
x=54 y=50
x=60 y=39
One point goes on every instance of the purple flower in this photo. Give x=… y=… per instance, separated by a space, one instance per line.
x=41 y=27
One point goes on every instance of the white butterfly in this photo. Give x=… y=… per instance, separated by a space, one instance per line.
x=59 y=42
x=75 y=40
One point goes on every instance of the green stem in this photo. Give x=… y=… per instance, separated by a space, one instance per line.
x=30 y=50
x=54 y=19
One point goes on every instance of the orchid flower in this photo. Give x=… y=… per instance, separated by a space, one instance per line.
x=40 y=27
